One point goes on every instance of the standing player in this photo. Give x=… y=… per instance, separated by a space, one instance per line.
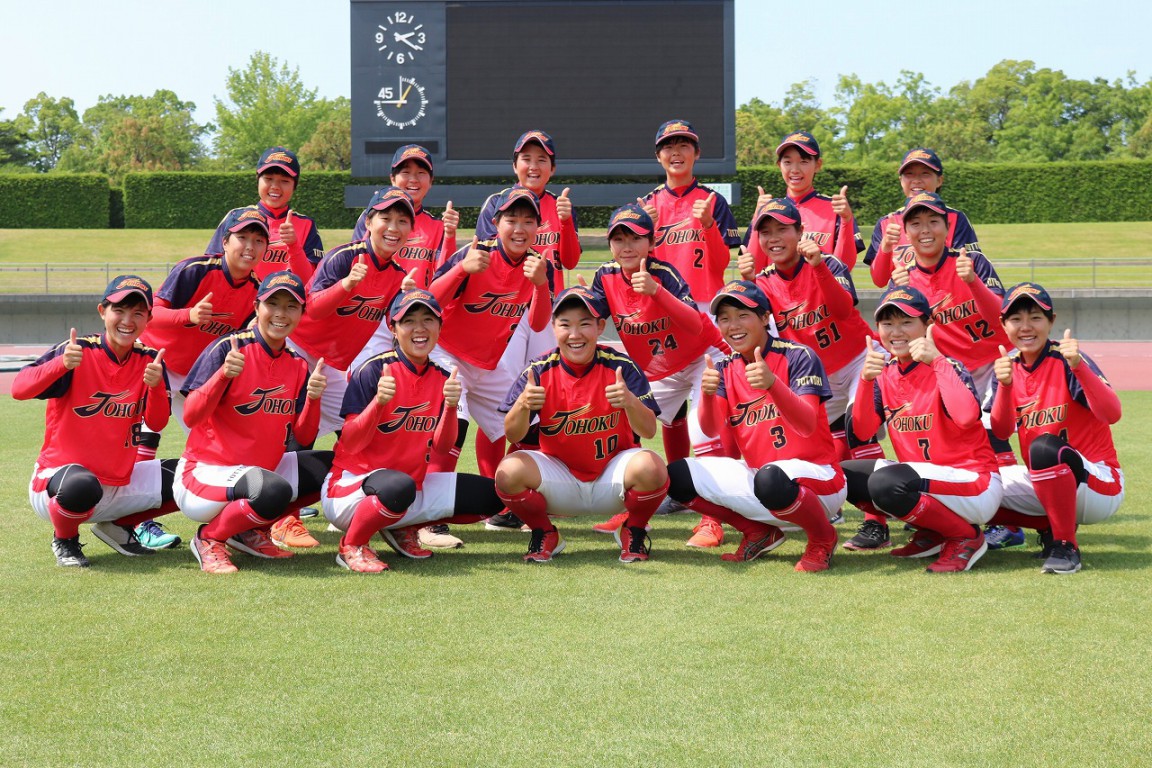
x=294 y=241
x=248 y=396
x=944 y=481
x=771 y=392
x=100 y=389
x=591 y=402
x=1062 y=408
x=400 y=407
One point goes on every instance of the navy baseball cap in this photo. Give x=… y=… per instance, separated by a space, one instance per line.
x=385 y=198
x=1031 y=291
x=539 y=137
x=745 y=293
x=584 y=295
x=241 y=218
x=412 y=152
x=906 y=299
x=780 y=208
x=929 y=200
x=407 y=300
x=634 y=218
x=279 y=157
x=802 y=140
x=923 y=156
x=123 y=286
x=676 y=128
x=283 y=280
x=513 y=195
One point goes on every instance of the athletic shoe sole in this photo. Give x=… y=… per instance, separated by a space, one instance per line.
x=240 y=546
x=104 y=537
x=488 y=526
x=391 y=540
x=858 y=548
x=558 y=550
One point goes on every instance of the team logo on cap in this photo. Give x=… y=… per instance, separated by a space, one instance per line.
x=413 y=152
x=282 y=280
x=1025 y=290
x=279 y=157
x=900 y=296
x=773 y=205
x=535 y=136
x=251 y=214
x=677 y=127
x=799 y=138
x=133 y=282
x=919 y=154
x=922 y=197
x=627 y=215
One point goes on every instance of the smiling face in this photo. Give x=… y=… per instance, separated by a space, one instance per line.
x=743 y=329
x=417 y=333
x=898 y=330
x=779 y=241
x=516 y=228
x=1028 y=328
x=798 y=169
x=243 y=250
x=414 y=178
x=927 y=233
x=628 y=248
x=917 y=177
x=677 y=157
x=124 y=322
x=533 y=167
x=277 y=317
x=274 y=188
x=576 y=331
x=389 y=229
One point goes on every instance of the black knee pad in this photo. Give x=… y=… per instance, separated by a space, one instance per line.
x=680 y=486
x=312 y=467
x=476 y=495
x=167 y=478
x=395 y=490
x=850 y=436
x=267 y=492
x=148 y=439
x=998 y=446
x=857 y=472
x=75 y=488
x=896 y=489
x=1047 y=451
x=774 y=488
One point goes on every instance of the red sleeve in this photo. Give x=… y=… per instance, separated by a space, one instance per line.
x=718 y=254
x=865 y=420
x=358 y=429
x=324 y=303
x=987 y=302
x=711 y=414
x=444 y=287
x=447 y=248
x=201 y=402
x=799 y=410
x=298 y=261
x=163 y=314
x=1103 y=401
x=307 y=424
x=683 y=316
x=839 y=301
x=34 y=379
x=157 y=407
x=569 y=244
x=881 y=268
x=446 y=431
x=845 y=248
x=540 y=310
x=1003 y=412
x=958 y=400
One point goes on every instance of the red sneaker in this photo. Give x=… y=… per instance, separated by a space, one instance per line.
x=764 y=538
x=612 y=524
x=288 y=531
x=544 y=545
x=359 y=559
x=709 y=533
x=635 y=545
x=960 y=554
x=257 y=543
x=923 y=543
x=212 y=555
x=817 y=556
x=406 y=541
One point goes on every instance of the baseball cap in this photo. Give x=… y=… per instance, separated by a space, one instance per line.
x=541 y=138
x=122 y=286
x=283 y=280
x=802 y=140
x=923 y=156
x=929 y=200
x=906 y=299
x=279 y=157
x=1032 y=291
x=385 y=198
x=412 y=152
x=511 y=196
x=743 y=292
x=634 y=218
x=676 y=128
x=585 y=296
x=239 y=218
x=780 y=208
x=406 y=300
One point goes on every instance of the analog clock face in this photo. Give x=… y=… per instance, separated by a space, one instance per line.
x=402 y=105
x=400 y=38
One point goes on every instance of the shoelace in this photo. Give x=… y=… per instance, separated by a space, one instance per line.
x=442 y=528
x=214 y=551
x=537 y=544
x=72 y=547
x=153 y=528
x=640 y=544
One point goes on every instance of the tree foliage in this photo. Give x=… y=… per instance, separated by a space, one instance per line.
x=52 y=127
x=330 y=148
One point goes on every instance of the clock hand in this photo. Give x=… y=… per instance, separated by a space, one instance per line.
x=403 y=38
x=404 y=97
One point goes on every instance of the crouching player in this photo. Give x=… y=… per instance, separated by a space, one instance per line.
x=772 y=394
x=944 y=482
x=1062 y=408
x=248 y=396
x=592 y=402
x=399 y=409
x=87 y=470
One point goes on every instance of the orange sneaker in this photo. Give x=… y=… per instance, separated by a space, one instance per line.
x=257 y=543
x=753 y=545
x=612 y=524
x=817 y=555
x=359 y=559
x=288 y=531
x=709 y=533
x=212 y=555
x=406 y=541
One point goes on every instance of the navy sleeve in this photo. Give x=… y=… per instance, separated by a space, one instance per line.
x=206 y=365
x=485 y=227
x=806 y=372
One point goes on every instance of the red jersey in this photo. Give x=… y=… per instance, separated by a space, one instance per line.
x=577 y=425
x=822 y=226
x=482 y=312
x=556 y=240
x=816 y=307
x=761 y=431
x=171 y=327
x=403 y=437
x=247 y=420
x=94 y=411
x=301 y=257
x=421 y=251
x=337 y=324
x=701 y=256
x=651 y=334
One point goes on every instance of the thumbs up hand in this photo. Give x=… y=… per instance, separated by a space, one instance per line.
x=762 y=197
x=757 y=373
x=964 y=269
x=900 y=274
x=73 y=352
x=923 y=349
x=532 y=397
x=385 y=387
x=617 y=392
x=154 y=371
x=233 y=361
x=477 y=259
x=453 y=389
x=649 y=208
x=643 y=282
x=840 y=204
x=874 y=361
x=746 y=264
x=451 y=220
x=1002 y=367
x=564 y=206
x=202 y=311
x=710 y=380
x=288 y=230
x=702 y=211
x=892 y=232
x=409 y=281
x=356 y=274
x=317 y=381
x=1070 y=349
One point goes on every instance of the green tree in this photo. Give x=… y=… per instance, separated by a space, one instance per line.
x=53 y=125
x=330 y=148
x=15 y=156
x=760 y=126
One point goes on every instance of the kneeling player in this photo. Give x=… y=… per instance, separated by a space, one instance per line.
x=1062 y=408
x=772 y=393
x=945 y=483
x=592 y=402
x=399 y=409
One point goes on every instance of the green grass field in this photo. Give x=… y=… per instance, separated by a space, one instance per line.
x=472 y=658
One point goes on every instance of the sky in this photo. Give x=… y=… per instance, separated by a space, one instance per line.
x=135 y=47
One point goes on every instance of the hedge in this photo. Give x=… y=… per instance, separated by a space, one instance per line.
x=54 y=201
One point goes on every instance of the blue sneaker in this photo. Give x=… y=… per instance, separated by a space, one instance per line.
x=1003 y=537
x=152 y=535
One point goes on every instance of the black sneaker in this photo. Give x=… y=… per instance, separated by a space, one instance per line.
x=1044 y=539
x=121 y=538
x=870 y=535
x=1064 y=558
x=505 y=521
x=68 y=552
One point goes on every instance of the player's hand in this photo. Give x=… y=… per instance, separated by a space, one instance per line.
x=477 y=259
x=642 y=281
x=154 y=371
x=758 y=374
x=810 y=251
x=288 y=230
x=1070 y=349
x=452 y=389
x=564 y=206
x=356 y=274
x=233 y=361
x=73 y=352
x=409 y=281
x=535 y=268
x=385 y=388
x=874 y=361
x=532 y=397
x=923 y=349
x=892 y=232
x=710 y=379
x=202 y=311
x=840 y=204
x=745 y=264
x=900 y=274
x=317 y=381
x=1002 y=368
x=762 y=199
x=964 y=268
x=450 y=219
x=617 y=392
x=650 y=209
x=702 y=211
x=580 y=279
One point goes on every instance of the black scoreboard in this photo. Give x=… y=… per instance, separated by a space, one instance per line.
x=466 y=78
